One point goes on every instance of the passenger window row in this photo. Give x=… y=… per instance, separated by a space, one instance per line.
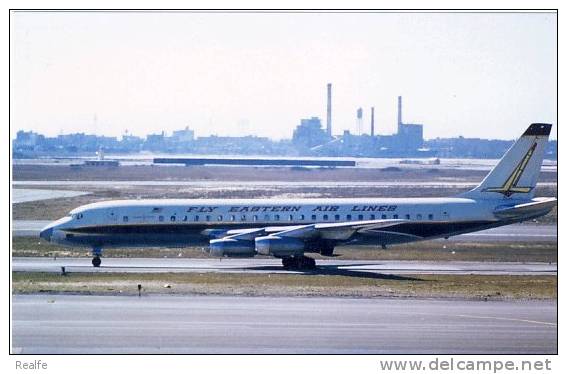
x=277 y=217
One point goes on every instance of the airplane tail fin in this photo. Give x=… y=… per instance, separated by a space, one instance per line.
x=518 y=171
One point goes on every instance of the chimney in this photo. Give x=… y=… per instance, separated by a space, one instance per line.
x=359 y=121
x=372 y=121
x=329 y=128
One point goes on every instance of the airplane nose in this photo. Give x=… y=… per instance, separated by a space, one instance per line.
x=46 y=233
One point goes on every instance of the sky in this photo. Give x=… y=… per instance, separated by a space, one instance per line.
x=486 y=75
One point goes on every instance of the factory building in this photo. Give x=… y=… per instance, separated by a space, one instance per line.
x=183 y=136
x=410 y=135
x=309 y=134
x=310 y=138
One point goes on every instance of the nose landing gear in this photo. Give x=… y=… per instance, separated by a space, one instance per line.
x=96 y=261
x=97 y=252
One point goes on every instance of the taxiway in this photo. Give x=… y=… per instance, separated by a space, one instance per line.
x=267 y=266
x=46 y=324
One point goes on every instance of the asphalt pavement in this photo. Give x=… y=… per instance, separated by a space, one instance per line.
x=270 y=266
x=73 y=324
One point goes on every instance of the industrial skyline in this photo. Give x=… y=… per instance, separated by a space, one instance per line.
x=469 y=74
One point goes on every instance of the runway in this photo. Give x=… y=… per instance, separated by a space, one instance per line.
x=23 y=195
x=28 y=227
x=272 y=266
x=47 y=324
x=511 y=233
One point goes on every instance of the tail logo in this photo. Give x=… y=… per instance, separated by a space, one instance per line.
x=511 y=185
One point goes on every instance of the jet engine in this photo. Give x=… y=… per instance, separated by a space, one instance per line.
x=228 y=247
x=279 y=246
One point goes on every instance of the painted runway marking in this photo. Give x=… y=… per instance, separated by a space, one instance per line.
x=508 y=319
x=526 y=234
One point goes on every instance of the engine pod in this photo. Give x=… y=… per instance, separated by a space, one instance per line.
x=231 y=248
x=279 y=246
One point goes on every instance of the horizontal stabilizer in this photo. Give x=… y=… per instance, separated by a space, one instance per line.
x=536 y=207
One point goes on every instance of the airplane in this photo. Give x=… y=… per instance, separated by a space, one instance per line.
x=290 y=228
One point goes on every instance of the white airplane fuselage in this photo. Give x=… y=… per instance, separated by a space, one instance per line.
x=179 y=222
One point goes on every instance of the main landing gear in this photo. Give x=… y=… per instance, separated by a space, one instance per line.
x=298 y=263
x=97 y=252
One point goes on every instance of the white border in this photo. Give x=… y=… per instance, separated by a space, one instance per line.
x=233 y=364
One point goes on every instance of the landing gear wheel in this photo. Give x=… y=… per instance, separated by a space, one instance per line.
x=96 y=261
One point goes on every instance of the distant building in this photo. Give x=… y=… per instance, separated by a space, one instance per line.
x=155 y=142
x=309 y=138
x=27 y=138
x=409 y=136
x=81 y=142
x=247 y=145
x=469 y=147
x=183 y=136
x=309 y=134
x=131 y=143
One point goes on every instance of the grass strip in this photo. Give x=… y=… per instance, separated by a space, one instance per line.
x=355 y=284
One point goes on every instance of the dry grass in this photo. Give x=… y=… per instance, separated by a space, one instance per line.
x=228 y=173
x=355 y=285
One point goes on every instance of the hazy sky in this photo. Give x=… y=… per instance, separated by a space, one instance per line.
x=478 y=75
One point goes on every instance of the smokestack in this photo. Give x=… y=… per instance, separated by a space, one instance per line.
x=372 y=121
x=359 y=121
x=399 y=111
x=329 y=128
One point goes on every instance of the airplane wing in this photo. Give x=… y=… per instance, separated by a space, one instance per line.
x=332 y=231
